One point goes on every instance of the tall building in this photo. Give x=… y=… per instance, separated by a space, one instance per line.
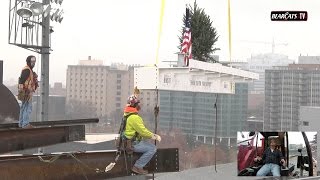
x=103 y=88
x=261 y=62
x=309 y=121
x=309 y=59
x=254 y=124
x=194 y=113
x=288 y=88
x=309 y=118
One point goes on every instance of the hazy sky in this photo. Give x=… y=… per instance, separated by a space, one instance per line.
x=127 y=30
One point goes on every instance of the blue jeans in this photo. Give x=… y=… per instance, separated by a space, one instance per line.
x=148 y=151
x=267 y=168
x=25 y=112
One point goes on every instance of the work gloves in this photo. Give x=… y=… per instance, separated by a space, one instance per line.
x=156 y=137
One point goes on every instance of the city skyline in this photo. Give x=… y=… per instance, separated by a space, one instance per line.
x=127 y=32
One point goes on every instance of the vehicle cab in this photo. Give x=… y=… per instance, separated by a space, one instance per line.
x=298 y=157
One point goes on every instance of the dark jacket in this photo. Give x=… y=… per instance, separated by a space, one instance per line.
x=272 y=157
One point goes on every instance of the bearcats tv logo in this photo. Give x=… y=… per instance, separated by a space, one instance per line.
x=289 y=15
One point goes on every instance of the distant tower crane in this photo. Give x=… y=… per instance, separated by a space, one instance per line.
x=272 y=43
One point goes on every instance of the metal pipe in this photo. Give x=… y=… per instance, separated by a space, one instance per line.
x=309 y=153
x=45 y=51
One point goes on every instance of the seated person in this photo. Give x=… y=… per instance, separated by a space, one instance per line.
x=271 y=158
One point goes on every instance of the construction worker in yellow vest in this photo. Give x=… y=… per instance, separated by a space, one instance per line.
x=138 y=134
x=28 y=84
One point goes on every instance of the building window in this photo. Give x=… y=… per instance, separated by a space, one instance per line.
x=118 y=105
x=118 y=75
x=118 y=81
x=305 y=123
x=118 y=92
x=118 y=98
x=118 y=87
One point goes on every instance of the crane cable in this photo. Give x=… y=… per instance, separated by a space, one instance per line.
x=215 y=104
x=156 y=107
x=229 y=29
x=160 y=29
x=215 y=134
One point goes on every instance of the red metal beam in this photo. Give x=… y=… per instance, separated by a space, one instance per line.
x=82 y=167
x=20 y=139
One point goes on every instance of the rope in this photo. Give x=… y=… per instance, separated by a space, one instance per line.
x=156 y=113
x=51 y=160
x=125 y=161
x=37 y=91
x=160 y=27
x=97 y=170
x=40 y=149
x=72 y=155
x=257 y=144
x=215 y=135
x=82 y=172
x=156 y=108
x=130 y=159
x=112 y=164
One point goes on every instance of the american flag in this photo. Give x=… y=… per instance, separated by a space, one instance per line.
x=186 y=45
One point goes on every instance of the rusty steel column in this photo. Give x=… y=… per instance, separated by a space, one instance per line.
x=82 y=165
x=20 y=139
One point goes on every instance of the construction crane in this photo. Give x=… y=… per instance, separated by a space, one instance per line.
x=264 y=42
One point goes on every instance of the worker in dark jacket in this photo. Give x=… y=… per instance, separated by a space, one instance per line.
x=28 y=84
x=136 y=131
x=271 y=158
